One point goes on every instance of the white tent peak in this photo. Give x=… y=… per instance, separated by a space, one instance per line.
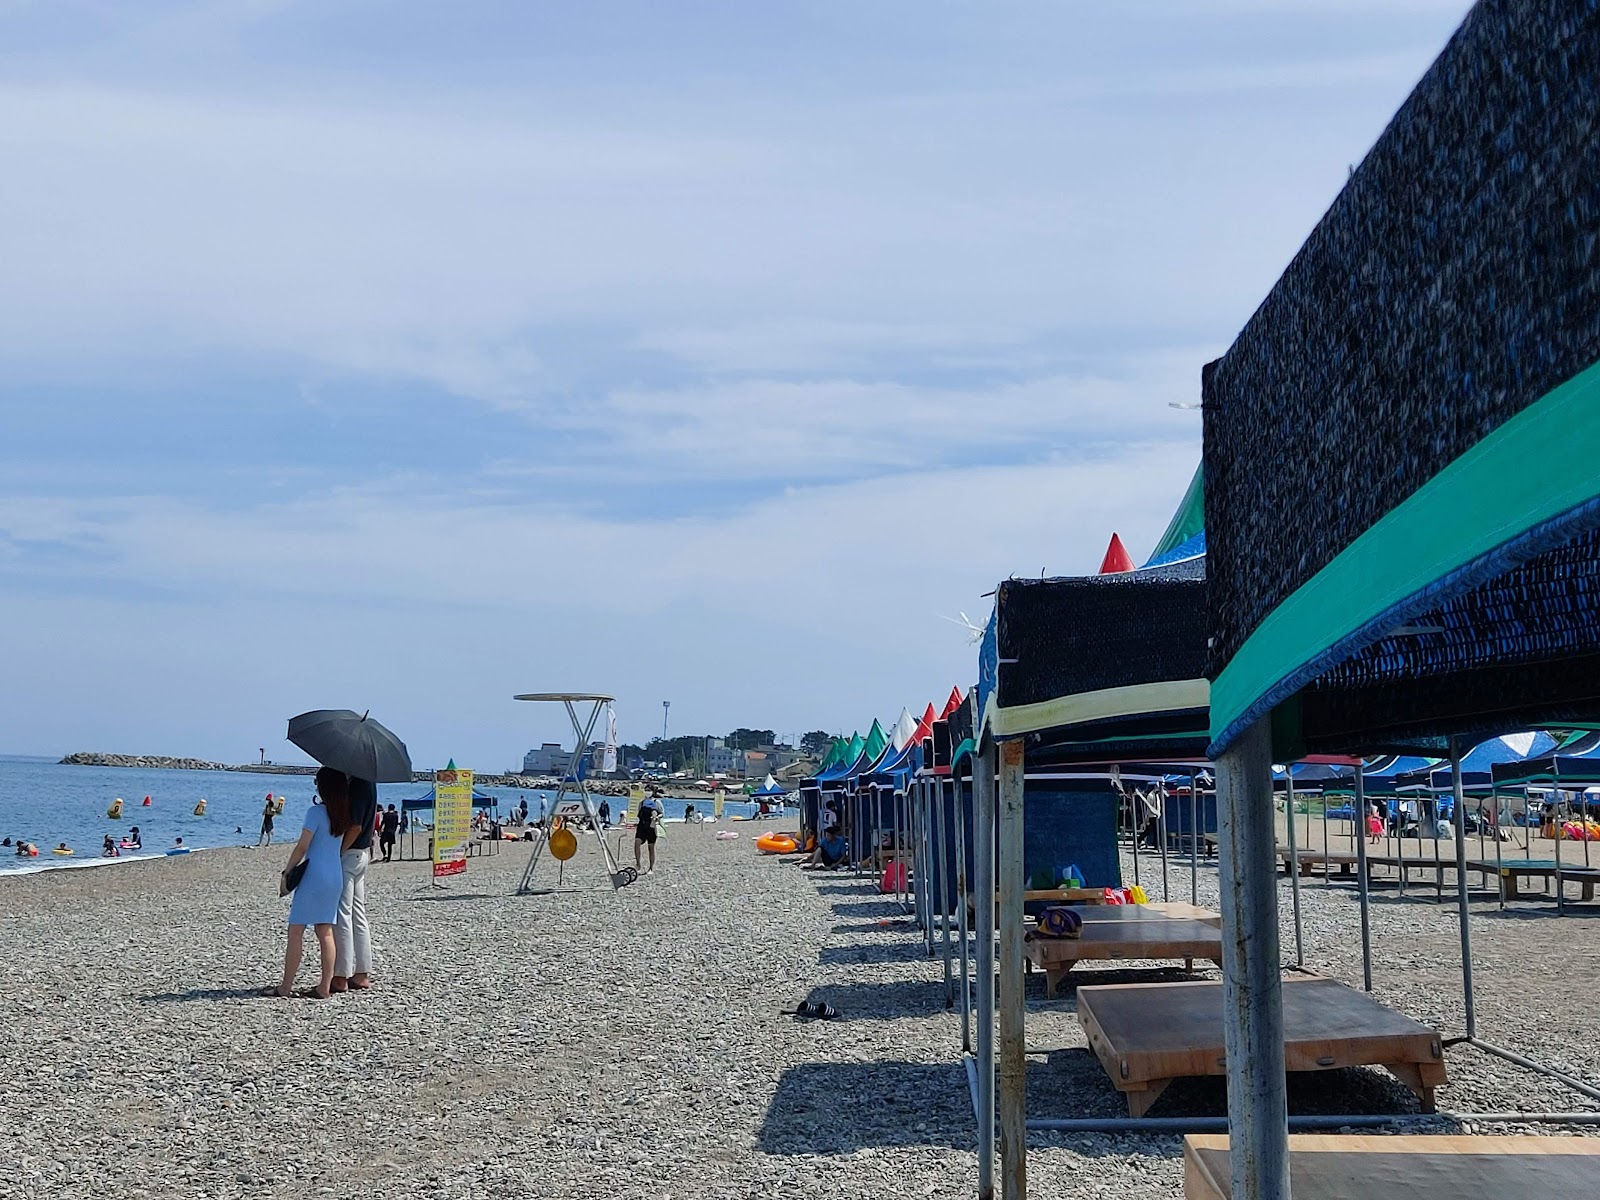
x=904 y=729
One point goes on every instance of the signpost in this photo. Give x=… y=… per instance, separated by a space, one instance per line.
x=452 y=820
x=635 y=801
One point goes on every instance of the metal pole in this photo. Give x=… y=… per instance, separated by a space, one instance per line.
x=1013 y=1054
x=962 y=899
x=1463 y=910
x=1327 y=850
x=1194 y=840
x=1258 y=1115
x=983 y=782
x=924 y=881
x=1555 y=828
x=1166 y=883
x=1499 y=854
x=936 y=786
x=1134 y=807
x=1294 y=864
x=1363 y=885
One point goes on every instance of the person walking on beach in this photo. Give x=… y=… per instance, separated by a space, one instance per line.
x=266 y=822
x=645 y=832
x=605 y=814
x=353 y=937
x=316 y=897
x=387 y=831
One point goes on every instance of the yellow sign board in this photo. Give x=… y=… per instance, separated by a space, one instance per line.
x=452 y=821
x=635 y=800
x=718 y=798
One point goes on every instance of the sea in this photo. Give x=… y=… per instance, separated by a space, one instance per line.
x=46 y=802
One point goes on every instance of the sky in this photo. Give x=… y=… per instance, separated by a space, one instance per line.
x=406 y=357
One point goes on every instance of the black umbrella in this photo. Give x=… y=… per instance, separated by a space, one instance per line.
x=353 y=743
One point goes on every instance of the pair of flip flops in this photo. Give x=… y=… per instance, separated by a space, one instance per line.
x=817 y=1010
x=1059 y=922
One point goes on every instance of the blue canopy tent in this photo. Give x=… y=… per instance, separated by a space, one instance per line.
x=1574 y=763
x=1477 y=769
x=416 y=803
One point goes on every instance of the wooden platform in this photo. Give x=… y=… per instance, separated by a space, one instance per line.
x=1345 y=860
x=1181 y=909
x=1416 y=1167
x=1508 y=875
x=1117 y=939
x=1148 y=1034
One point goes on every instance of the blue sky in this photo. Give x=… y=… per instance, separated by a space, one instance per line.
x=408 y=356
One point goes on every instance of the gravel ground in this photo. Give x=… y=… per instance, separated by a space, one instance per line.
x=588 y=1044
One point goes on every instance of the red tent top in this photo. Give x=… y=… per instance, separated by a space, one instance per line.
x=1117 y=559
x=951 y=704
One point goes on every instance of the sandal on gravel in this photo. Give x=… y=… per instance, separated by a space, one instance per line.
x=274 y=993
x=819 y=1010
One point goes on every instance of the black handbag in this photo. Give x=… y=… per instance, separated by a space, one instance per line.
x=290 y=879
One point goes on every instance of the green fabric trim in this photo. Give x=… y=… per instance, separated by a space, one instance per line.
x=1541 y=463
x=1190 y=518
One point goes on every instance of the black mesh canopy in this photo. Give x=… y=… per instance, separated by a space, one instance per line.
x=1453 y=284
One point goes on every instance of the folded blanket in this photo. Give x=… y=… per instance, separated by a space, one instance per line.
x=1057 y=922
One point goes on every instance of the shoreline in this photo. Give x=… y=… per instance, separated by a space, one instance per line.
x=614 y=788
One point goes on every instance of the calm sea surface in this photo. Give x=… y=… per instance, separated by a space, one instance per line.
x=46 y=803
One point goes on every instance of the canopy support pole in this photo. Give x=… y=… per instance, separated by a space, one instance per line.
x=1194 y=840
x=941 y=836
x=983 y=783
x=1294 y=864
x=1013 y=1053
x=1363 y=883
x=1258 y=1114
x=1462 y=908
x=963 y=898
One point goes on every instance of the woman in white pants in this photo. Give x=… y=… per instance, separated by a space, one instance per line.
x=352 y=936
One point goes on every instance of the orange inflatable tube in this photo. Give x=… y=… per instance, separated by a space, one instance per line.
x=776 y=843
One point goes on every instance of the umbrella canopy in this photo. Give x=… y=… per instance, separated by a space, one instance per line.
x=353 y=743
x=770 y=789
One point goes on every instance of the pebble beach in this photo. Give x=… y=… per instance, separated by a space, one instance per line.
x=584 y=1043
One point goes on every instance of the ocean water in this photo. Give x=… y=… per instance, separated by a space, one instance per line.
x=44 y=802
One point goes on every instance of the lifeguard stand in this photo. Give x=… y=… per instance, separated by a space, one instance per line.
x=573 y=784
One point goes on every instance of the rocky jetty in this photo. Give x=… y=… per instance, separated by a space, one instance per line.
x=87 y=759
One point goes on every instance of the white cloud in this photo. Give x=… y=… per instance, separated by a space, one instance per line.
x=820 y=606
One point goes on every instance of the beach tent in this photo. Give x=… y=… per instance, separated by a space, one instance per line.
x=1573 y=764
x=1185 y=536
x=770 y=789
x=416 y=803
x=1477 y=765
x=1402 y=484
x=1099 y=668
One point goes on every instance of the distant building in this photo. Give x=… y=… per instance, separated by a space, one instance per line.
x=755 y=764
x=721 y=759
x=548 y=759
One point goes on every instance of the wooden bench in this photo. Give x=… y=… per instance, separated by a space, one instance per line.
x=1115 y=939
x=1345 y=860
x=1415 y=1166
x=1148 y=1034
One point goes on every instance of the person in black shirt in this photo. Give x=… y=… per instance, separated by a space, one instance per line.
x=605 y=814
x=387 y=829
x=352 y=936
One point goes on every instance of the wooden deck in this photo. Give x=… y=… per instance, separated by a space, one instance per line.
x=1148 y=1034
x=1154 y=936
x=1417 y=1167
x=1507 y=876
